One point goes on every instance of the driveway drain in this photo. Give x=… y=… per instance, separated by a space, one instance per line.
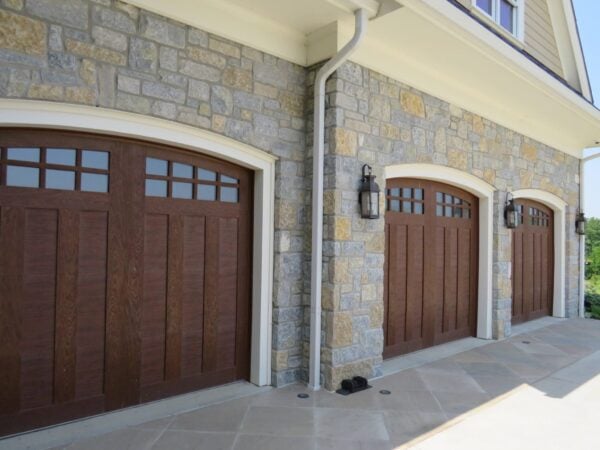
x=385 y=392
x=303 y=395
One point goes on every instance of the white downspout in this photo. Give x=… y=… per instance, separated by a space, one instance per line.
x=582 y=238
x=317 y=195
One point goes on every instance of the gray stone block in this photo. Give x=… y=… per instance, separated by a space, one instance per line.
x=162 y=31
x=143 y=55
x=72 y=13
x=163 y=92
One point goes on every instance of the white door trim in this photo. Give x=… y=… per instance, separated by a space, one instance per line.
x=559 y=207
x=485 y=193
x=28 y=113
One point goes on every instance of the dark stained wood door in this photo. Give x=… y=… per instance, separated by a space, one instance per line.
x=430 y=265
x=124 y=274
x=532 y=262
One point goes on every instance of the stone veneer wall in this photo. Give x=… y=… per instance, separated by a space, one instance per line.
x=110 y=54
x=379 y=121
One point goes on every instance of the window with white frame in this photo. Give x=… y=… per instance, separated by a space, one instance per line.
x=504 y=12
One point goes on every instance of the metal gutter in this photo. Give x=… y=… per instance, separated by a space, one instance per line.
x=360 y=27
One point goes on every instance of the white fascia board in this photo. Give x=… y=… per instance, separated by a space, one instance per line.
x=463 y=27
x=230 y=21
x=371 y=6
x=575 y=42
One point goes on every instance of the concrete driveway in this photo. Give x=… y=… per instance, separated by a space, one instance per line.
x=537 y=390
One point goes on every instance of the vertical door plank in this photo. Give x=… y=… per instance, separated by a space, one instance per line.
x=528 y=278
x=125 y=271
x=211 y=293
x=91 y=303
x=227 y=293
x=544 y=272
x=244 y=298
x=397 y=291
x=174 y=298
x=517 y=273
x=12 y=235
x=153 y=325
x=192 y=321
x=66 y=306
x=450 y=278
x=464 y=275
x=38 y=308
x=440 y=274
x=414 y=282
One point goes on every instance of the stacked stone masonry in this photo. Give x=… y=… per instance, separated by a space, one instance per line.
x=109 y=54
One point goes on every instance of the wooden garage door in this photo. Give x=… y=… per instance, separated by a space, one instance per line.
x=431 y=265
x=124 y=274
x=533 y=262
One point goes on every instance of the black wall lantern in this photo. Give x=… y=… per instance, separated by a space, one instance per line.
x=368 y=195
x=511 y=213
x=580 y=223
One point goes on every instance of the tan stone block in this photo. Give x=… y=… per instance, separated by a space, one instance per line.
x=204 y=109
x=87 y=72
x=478 y=127
x=390 y=131
x=13 y=4
x=246 y=115
x=22 y=34
x=330 y=201
x=412 y=103
x=342 y=228
x=345 y=142
x=95 y=52
x=389 y=90
x=529 y=152
x=280 y=359
x=338 y=271
x=376 y=315
x=265 y=90
x=238 y=78
x=456 y=111
x=357 y=262
x=368 y=293
x=286 y=215
x=218 y=123
x=376 y=244
x=84 y=95
x=335 y=375
x=207 y=57
x=340 y=329
x=439 y=143
x=330 y=297
x=458 y=159
x=292 y=103
x=489 y=175
x=526 y=178
x=225 y=48
x=45 y=92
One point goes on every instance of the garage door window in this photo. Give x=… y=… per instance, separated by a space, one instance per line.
x=406 y=200
x=55 y=168
x=451 y=206
x=184 y=181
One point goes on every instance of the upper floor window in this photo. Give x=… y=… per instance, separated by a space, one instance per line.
x=504 y=12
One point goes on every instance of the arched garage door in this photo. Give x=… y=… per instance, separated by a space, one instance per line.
x=533 y=262
x=124 y=274
x=431 y=265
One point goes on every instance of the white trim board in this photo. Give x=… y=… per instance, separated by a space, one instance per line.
x=485 y=193
x=30 y=114
x=559 y=207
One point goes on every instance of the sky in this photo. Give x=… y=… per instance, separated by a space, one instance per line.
x=588 y=17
